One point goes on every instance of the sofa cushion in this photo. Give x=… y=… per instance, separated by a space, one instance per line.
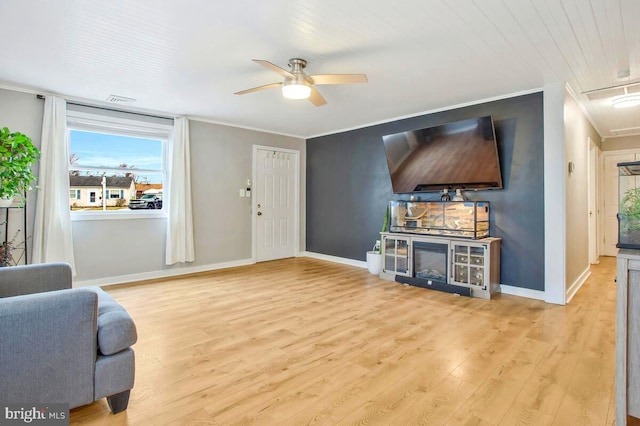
x=41 y=335
x=116 y=329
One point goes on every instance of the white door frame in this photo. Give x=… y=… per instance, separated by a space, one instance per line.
x=296 y=200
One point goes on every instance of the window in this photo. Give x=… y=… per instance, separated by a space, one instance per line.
x=115 y=194
x=117 y=157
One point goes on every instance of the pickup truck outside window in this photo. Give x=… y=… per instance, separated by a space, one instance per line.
x=147 y=201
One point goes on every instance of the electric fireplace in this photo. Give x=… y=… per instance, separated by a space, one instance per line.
x=431 y=268
x=430 y=261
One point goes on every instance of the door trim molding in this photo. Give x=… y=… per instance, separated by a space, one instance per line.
x=296 y=198
x=593 y=157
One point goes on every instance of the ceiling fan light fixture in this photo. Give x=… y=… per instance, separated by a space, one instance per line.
x=297 y=88
x=296 y=91
x=626 y=101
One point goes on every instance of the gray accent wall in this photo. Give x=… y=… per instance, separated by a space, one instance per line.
x=348 y=186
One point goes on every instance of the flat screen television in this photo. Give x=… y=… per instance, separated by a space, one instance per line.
x=456 y=155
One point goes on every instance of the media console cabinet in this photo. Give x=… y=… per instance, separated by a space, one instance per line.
x=456 y=265
x=628 y=337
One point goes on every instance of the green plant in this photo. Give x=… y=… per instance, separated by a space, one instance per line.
x=630 y=209
x=17 y=155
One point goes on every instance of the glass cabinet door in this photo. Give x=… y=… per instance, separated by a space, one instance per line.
x=389 y=254
x=476 y=256
x=402 y=259
x=468 y=264
x=396 y=255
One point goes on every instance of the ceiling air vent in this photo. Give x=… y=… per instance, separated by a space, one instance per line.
x=123 y=100
x=629 y=131
x=610 y=92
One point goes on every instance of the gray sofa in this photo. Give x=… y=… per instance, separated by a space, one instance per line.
x=62 y=345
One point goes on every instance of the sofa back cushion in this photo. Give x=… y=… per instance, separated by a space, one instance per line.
x=48 y=349
x=37 y=278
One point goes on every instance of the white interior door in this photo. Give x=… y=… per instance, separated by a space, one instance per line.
x=275 y=203
x=611 y=201
x=593 y=206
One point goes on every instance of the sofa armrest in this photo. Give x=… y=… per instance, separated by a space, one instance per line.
x=48 y=349
x=116 y=329
x=37 y=278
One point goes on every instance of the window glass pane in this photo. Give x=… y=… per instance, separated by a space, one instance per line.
x=106 y=150
x=109 y=171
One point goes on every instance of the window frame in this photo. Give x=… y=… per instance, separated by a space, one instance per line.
x=110 y=192
x=102 y=122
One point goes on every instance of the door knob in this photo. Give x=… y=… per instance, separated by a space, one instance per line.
x=259 y=213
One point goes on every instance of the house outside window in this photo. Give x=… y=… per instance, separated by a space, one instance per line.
x=118 y=190
x=112 y=153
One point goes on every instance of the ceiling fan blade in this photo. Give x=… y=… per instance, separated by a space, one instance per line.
x=316 y=98
x=339 y=78
x=256 y=89
x=273 y=67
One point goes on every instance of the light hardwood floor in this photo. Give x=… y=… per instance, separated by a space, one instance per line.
x=303 y=341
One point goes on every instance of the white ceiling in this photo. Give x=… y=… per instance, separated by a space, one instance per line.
x=188 y=57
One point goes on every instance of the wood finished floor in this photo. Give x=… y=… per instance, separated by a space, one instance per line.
x=303 y=341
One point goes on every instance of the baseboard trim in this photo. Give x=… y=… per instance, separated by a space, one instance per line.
x=164 y=273
x=335 y=259
x=505 y=289
x=573 y=289
x=522 y=292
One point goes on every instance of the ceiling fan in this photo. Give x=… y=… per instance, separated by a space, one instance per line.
x=298 y=85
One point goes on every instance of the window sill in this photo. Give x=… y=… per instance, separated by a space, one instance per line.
x=117 y=215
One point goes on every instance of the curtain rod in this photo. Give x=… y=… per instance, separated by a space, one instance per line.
x=112 y=109
x=120 y=110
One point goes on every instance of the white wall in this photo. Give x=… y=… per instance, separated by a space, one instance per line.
x=554 y=194
x=110 y=251
x=621 y=143
x=221 y=163
x=120 y=250
x=578 y=130
x=22 y=112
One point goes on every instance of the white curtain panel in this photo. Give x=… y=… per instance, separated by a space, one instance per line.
x=52 y=241
x=180 y=246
